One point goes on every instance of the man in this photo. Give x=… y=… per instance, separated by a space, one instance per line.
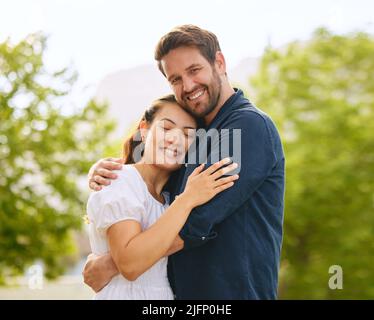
x=230 y=247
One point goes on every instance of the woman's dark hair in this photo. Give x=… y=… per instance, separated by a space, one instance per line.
x=134 y=142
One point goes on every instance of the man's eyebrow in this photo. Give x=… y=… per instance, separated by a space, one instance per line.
x=194 y=65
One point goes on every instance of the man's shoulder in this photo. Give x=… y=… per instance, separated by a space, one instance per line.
x=248 y=115
x=253 y=121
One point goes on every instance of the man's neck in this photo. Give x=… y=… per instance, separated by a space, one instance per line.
x=226 y=92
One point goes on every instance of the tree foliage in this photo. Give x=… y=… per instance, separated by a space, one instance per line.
x=46 y=145
x=321 y=95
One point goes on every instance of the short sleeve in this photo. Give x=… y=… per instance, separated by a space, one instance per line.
x=122 y=200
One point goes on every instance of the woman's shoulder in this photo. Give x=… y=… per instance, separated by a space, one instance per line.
x=123 y=199
x=128 y=186
x=129 y=175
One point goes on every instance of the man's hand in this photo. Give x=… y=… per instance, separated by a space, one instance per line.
x=101 y=173
x=98 y=271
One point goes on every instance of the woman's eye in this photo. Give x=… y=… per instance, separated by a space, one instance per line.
x=190 y=135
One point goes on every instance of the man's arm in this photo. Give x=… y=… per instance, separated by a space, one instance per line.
x=255 y=164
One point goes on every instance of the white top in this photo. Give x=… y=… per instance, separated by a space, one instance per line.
x=128 y=198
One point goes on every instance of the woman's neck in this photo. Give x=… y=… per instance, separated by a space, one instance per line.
x=154 y=177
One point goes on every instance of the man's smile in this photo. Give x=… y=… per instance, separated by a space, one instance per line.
x=195 y=94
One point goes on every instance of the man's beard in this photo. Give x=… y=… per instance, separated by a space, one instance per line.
x=214 y=93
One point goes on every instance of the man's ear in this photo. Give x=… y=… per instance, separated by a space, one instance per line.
x=220 y=63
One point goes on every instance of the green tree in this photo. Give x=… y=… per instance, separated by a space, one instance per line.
x=321 y=95
x=46 y=146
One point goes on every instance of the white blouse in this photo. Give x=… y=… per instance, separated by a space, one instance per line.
x=128 y=198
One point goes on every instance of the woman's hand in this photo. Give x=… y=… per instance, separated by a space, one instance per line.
x=202 y=186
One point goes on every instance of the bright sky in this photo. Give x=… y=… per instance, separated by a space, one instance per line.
x=103 y=36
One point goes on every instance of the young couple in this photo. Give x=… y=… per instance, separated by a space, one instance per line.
x=160 y=230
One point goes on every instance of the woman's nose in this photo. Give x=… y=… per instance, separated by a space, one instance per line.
x=172 y=136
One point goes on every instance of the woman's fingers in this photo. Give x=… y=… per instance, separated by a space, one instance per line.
x=214 y=167
x=224 y=171
x=225 y=180
x=197 y=170
x=223 y=187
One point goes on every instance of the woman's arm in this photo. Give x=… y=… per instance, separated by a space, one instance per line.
x=176 y=246
x=100 y=269
x=134 y=251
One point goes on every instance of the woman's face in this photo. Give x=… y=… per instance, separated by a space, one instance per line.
x=169 y=136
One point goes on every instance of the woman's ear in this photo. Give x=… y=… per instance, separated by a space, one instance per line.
x=143 y=127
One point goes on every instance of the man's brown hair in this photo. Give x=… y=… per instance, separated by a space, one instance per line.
x=188 y=35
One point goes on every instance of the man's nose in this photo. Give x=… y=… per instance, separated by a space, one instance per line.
x=188 y=85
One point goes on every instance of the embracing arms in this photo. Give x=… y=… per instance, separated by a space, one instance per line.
x=134 y=251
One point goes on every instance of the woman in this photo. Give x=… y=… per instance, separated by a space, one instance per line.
x=132 y=218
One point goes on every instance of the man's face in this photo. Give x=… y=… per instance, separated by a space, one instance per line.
x=195 y=82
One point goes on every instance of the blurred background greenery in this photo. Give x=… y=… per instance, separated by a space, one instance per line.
x=320 y=93
x=43 y=153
